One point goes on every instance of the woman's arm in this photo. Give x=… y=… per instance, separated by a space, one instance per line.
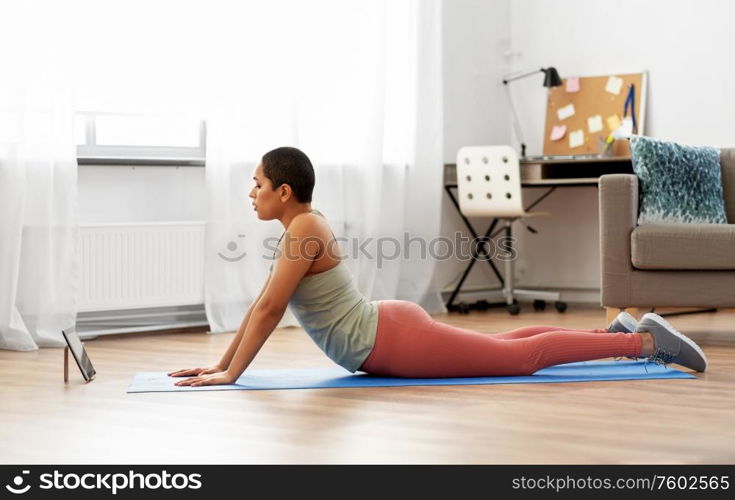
x=297 y=254
x=260 y=327
x=224 y=363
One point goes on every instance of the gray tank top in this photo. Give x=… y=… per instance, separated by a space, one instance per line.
x=340 y=320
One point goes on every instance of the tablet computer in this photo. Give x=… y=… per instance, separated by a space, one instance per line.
x=80 y=354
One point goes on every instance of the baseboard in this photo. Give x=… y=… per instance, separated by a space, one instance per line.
x=93 y=323
x=493 y=294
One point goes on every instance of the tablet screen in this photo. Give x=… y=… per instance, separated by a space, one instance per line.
x=79 y=353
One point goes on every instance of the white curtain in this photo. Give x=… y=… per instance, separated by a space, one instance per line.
x=357 y=87
x=38 y=216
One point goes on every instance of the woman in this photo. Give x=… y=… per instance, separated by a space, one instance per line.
x=394 y=337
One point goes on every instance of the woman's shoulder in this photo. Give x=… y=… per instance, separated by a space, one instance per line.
x=310 y=223
x=315 y=217
x=314 y=229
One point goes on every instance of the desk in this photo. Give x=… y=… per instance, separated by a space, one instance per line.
x=558 y=172
x=552 y=173
x=548 y=173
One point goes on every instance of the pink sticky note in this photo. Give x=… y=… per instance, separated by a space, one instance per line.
x=558 y=132
x=573 y=84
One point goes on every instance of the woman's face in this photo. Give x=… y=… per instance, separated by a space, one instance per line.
x=266 y=200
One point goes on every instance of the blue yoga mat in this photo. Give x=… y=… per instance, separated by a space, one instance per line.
x=321 y=378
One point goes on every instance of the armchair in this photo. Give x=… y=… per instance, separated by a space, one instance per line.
x=671 y=265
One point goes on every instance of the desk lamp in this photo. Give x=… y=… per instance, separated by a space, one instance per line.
x=551 y=79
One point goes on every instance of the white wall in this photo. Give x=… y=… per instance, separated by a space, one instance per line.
x=476 y=37
x=685 y=46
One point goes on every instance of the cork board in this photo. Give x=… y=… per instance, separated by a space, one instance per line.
x=593 y=101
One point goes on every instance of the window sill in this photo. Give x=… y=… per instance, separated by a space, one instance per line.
x=140 y=161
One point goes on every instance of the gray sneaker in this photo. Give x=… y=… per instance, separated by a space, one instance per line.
x=670 y=345
x=623 y=322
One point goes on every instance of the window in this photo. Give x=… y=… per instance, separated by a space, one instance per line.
x=143 y=139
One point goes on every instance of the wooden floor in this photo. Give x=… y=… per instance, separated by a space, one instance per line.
x=629 y=422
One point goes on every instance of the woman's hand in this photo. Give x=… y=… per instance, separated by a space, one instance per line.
x=219 y=378
x=190 y=372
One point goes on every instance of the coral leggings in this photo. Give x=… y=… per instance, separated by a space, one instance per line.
x=410 y=343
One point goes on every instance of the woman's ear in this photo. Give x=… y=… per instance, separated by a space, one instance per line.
x=285 y=192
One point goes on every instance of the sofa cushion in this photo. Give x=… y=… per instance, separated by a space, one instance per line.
x=683 y=246
x=679 y=184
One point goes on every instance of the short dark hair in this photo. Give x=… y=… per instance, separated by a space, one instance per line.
x=290 y=166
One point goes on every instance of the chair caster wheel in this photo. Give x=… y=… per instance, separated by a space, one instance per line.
x=482 y=305
x=560 y=306
x=539 y=305
x=513 y=309
x=463 y=308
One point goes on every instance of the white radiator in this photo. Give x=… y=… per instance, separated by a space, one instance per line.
x=132 y=266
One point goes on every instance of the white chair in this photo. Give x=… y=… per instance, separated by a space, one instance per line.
x=489 y=185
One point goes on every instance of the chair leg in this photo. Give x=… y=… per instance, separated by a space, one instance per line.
x=611 y=312
x=634 y=311
x=509 y=278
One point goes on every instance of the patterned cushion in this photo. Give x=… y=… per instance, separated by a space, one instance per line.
x=679 y=184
